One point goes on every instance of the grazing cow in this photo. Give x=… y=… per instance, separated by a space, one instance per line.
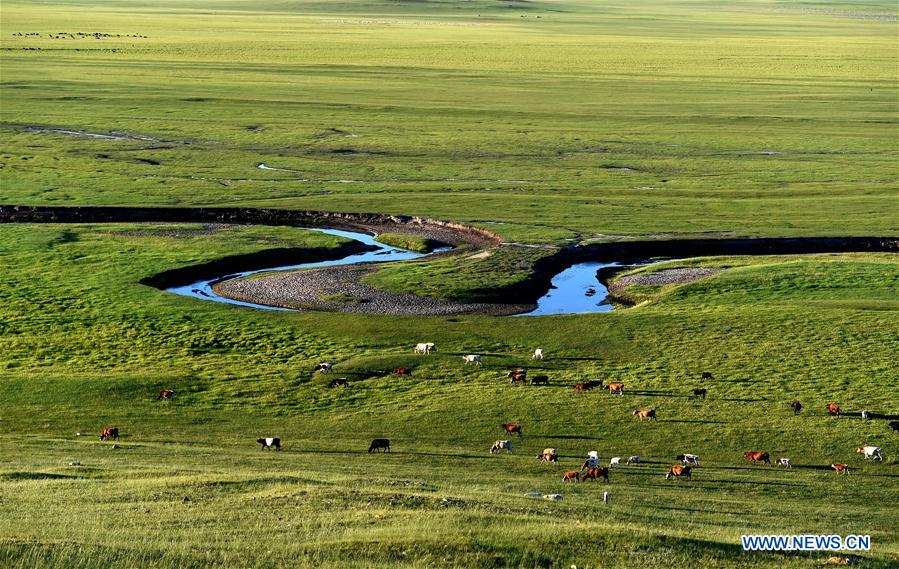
x=581 y=387
x=379 y=444
x=538 y=354
x=512 y=428
x=688 y=459
x=706 y=375
x=402 y=371
x=785 y=462
x=501 y=445
x=270 y=443
x=616 y=461
x=866 y=415
x=616 y=388
x=166 y=394
x=472 y=359
x=645 y=414
x=425 y=348
x=797 y=406
x=678 y=471
x=833 y=409
x=324 y=367
x=592 y=460
x=571 y=475
x=540 y=380
x=593 y=383
x=754 y=456
x=339 y=382
x=700 y=393
x=596 y=473
x=840 y=468
x=548 y=455
x=633 y=460
x=894 y=425
x=109 y=433
x=871 y=452
x=517 y=376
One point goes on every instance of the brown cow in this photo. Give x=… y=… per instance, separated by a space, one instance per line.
x=840 y=468
x=548 y=455
x=706 y=375
x=645 y=414
x=754 y=456
x=796 y=406
x=109 y=433
x=700 y=393
x=339 y=382
x=596 y=473
x=518 y=376
x=166 y=394
x=571 y=475
x=512 y=428
x=616 y=388
x=402 y=371
x=379 y=444
x=833 y=409
x=540 y=380
x=581 y=387
x=678 y=471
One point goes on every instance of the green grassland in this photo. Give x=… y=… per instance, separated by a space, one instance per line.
x=758 y=117
x=547 y=122
x=83 y=345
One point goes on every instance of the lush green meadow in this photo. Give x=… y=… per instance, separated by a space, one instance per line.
x=546 y=122
x=84 y=346
x=758 y=117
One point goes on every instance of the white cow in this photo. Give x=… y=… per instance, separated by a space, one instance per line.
x=472 y=359
x=616 y=461
x=538 y=354
x=425 y=348
x=784 y=462
x=592 y=460
x=689 y=459
x=871 y=452
x=633 y=460
x=501 y=445
x=324 y=367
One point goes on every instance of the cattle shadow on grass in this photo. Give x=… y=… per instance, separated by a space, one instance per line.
x=697 y=421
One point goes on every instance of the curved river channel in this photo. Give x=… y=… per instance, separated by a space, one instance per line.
x=574 y=290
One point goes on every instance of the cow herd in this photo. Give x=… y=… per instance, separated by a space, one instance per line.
x=591 y=469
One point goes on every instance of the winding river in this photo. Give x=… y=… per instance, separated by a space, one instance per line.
x=575 y=290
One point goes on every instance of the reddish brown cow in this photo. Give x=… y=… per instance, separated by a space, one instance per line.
x=518 y=376
x=840 y=468
x=796 y=406
x=512 y=428
x=580 y=387
x=571 y=475
x=833 y=409
x=402 y=371
x=109 y=433
x=700 y=393
x=754 y=456
x=167 y=394
x=616 y=388
x=596 y=473
x=678 y=471
x=645 y=414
